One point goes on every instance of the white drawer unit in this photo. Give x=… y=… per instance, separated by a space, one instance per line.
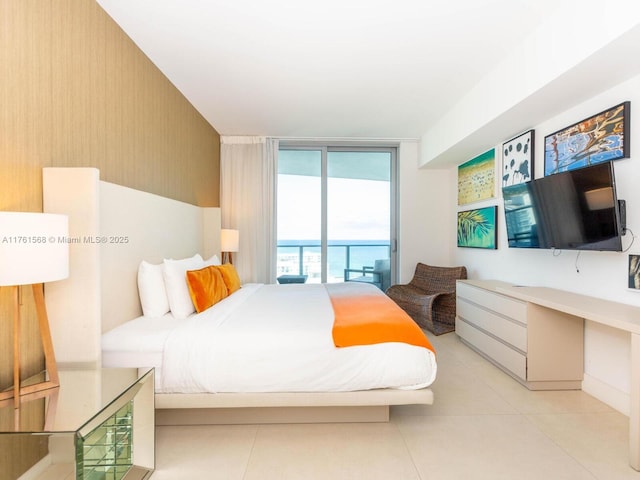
x=540 y=347
x=500 y=353
x=506 y=329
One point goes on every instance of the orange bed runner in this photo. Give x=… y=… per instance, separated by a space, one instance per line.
x=368 y=318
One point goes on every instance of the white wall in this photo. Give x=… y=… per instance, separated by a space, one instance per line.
x=550 y=70
x=600 y=274
x=424 y=219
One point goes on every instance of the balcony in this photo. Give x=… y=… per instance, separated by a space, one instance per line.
x=300 y=257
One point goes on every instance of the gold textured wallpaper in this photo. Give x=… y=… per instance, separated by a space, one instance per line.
x=76 y=91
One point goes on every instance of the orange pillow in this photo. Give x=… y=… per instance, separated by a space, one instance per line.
x=206 y=287
x=230 y=276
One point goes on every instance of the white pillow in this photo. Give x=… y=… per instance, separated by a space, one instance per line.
x=151 y=289
x=175 y=281
x=215 y=261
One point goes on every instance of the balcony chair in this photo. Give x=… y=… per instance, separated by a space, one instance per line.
x=378 y=275
x=430 y=297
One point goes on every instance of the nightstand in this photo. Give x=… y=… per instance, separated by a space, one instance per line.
x=98 y=424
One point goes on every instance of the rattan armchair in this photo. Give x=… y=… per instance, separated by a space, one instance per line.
x=430 y=297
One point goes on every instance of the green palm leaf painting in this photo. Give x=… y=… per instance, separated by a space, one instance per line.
x=477 y=228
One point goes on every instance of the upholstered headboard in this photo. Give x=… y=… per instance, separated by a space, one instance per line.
x=111 y=230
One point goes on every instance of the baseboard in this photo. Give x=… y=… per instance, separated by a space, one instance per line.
x=613 y=397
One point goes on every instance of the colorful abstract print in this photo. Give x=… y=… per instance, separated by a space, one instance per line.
x=598 y=139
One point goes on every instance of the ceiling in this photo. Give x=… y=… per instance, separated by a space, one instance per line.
x=331 y=68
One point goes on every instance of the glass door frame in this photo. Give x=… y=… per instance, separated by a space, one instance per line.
x=325 y=148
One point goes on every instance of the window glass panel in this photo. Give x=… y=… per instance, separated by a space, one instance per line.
x=299 y=207
x=345 y=215
x=358 y=211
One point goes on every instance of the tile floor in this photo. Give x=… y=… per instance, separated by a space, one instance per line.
x=483 y=425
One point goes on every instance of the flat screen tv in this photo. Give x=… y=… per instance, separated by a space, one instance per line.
x=573 y=210
x=521 y=213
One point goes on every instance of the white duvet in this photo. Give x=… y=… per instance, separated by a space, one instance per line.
x=276 y=338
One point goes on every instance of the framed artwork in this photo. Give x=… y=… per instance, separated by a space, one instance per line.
x=634 y=272
x=477 y=228
x=476 y=178
x=600 y=138
x=517 y=159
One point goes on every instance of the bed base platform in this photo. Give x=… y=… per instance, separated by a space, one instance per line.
x=262 y=408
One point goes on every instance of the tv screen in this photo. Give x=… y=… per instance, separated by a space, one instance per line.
x=521 y=214
x=572 y=210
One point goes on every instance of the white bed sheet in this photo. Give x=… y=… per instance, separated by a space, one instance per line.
x=264 y=338
x=138 y=343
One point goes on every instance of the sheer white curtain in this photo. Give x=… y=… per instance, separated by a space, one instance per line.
x=247 y=203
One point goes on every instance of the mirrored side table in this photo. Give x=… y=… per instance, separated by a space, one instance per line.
x=98 y=424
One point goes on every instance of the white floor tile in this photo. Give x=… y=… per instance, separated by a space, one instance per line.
x=203 y=452
x=345 y=451
x=458 y=391
x=526 y=401
x=597 y=441
x=483 y=425
x=486 y=447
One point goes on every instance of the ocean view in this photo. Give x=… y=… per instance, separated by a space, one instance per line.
x=304 y=257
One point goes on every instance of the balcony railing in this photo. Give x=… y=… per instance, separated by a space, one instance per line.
x=295 y=258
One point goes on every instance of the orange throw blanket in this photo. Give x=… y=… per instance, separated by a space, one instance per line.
x=371 y=317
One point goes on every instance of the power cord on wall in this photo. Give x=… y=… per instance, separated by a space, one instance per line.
x=557 y=252
x=633 y=238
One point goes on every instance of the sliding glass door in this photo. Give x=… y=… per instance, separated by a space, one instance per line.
x=299 y=213
x=335 y=213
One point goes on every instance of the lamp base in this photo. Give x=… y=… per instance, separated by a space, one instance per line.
x=47 y=346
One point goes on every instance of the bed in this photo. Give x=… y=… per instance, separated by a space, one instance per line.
x=96 y=318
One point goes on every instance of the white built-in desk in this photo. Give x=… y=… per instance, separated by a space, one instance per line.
x=616 y=315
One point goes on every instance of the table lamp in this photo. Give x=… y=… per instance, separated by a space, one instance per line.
x=229 y=243
x=33 y=250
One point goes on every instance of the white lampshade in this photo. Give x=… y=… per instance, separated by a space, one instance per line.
x=34 y=248
x=230 y=240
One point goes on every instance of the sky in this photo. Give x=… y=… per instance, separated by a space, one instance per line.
x=357 y=209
